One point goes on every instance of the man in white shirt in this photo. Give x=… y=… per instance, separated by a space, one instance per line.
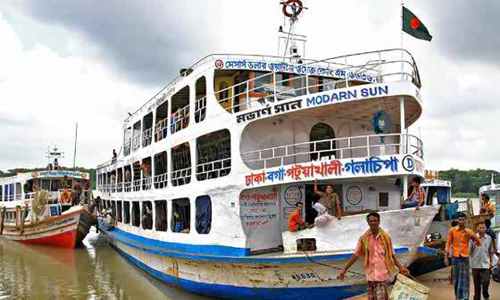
x=481 y=260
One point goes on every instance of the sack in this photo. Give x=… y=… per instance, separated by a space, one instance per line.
x=407 y=289
x=322 y=220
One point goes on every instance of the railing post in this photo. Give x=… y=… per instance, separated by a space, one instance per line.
x=247 y=94
x=368 y=144
x=346 y=71
x=307 y=85
x=274 y=87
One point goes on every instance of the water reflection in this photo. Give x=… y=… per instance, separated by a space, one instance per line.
x=92 y=272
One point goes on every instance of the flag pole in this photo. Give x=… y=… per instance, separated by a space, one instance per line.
x=402 y=66
x=74 y=158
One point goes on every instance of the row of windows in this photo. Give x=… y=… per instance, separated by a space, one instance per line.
x=156 y=125
x=18 y=191
x=154 y=214
x=213 y=160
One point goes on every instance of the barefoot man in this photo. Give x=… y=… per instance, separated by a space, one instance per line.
x=379 y=259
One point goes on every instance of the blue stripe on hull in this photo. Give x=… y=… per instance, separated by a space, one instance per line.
x=163 y=249
x=237 y=292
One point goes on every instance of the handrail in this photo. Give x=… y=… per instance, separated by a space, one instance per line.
x=303 y=152
x=306 y=62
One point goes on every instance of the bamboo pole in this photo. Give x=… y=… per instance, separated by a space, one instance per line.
x=22 y=219
x=4 y=210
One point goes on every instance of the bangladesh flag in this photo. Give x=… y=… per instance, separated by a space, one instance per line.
x=413 y=26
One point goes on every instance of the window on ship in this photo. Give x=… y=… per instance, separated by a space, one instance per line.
x=200 y=105
x=161 y=171
x=161 y=212
x=203 y=214
x=127 y=184
x=181 y=215
x=161 y=122
x=137 y=176
x=126 y=212
x=136 y=214
x=213 y=155
x=147 y=131
x=1 y=193
x=181 y=164
x=127 y=141
x=119 y=211
x=230 y=87
x=119 y=180
x=136 y=136
x=146 y=173
x=179 y=118
x=147 y=215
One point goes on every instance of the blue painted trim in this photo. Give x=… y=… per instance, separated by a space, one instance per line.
x=239 y=292
x=164 y=249
x=427 y=250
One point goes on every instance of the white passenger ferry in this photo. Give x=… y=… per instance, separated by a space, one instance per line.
x=213 y=165
x=46 y=207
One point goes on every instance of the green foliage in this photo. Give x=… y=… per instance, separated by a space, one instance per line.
x=468 y=182
x=80 y=169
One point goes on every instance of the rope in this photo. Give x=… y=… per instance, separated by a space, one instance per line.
x=332 y=267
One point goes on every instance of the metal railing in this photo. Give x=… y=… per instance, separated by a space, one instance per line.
x=127 y=147
x=161 y=181
x=368 y=67
x=181 y=177
x=136 y=142
x=147 y=137
x=200 y=109
x=127 y=186
x=338 y=148
x=161 y=129
x=146 y=183
x=180 y=119
x=137 y=185
x=213 y=169
x=119 y=187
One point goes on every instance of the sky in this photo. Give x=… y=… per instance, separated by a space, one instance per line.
x=91 y=62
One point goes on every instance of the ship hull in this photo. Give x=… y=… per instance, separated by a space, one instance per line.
x=65 y=231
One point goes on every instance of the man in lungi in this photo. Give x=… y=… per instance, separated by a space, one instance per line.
x=379 y=259
x=459 y=238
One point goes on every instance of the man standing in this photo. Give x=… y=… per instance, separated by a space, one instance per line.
x=295 y=222
x=459 y=238
x=481 y=260
x=376 y=247
x=487 y=207
x=493 y=237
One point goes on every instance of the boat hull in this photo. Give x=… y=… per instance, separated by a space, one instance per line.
x=66 y=231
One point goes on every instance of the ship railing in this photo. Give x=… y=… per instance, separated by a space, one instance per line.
x=370 y=60
x=200 y=109
x=137 y=185
x=127 y=186
x=126 y=147
x=181 y=176
x=29 y=196
x=161 y=181
x=113 y=188
x=213 y=169
x=180 y=119
x=161 y=129
x=136 y=142
x=364 y=68
x=338 y=148
x=113 y=160
x=119 y=187
x=146 y=183
x=18 y=197
x=147 y=137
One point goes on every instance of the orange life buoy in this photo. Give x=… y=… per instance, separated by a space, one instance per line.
x=290 y=3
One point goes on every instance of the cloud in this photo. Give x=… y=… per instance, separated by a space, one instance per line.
x=135 y=38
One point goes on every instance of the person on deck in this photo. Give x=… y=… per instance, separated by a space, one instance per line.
x=115 y=156
x=493 y=236
x=379 y=259
x=295 y=222
x=459 y=238
x=417 y=196
x=481 y=260
x=329 y=202
x=487 y=207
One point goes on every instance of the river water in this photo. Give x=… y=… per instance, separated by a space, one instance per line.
x=94 y=271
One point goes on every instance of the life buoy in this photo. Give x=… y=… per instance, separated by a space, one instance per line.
x=288 y=3
x=65 y=196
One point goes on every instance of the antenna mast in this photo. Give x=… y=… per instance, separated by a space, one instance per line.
x=292 y=9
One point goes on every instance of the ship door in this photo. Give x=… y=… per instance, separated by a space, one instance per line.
x=222 y=91
x=318 y=150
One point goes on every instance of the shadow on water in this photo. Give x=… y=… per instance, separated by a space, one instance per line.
x=93 y=271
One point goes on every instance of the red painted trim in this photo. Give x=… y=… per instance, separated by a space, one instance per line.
x=65 y=240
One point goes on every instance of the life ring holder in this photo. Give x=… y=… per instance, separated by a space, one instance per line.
x=290 y=3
